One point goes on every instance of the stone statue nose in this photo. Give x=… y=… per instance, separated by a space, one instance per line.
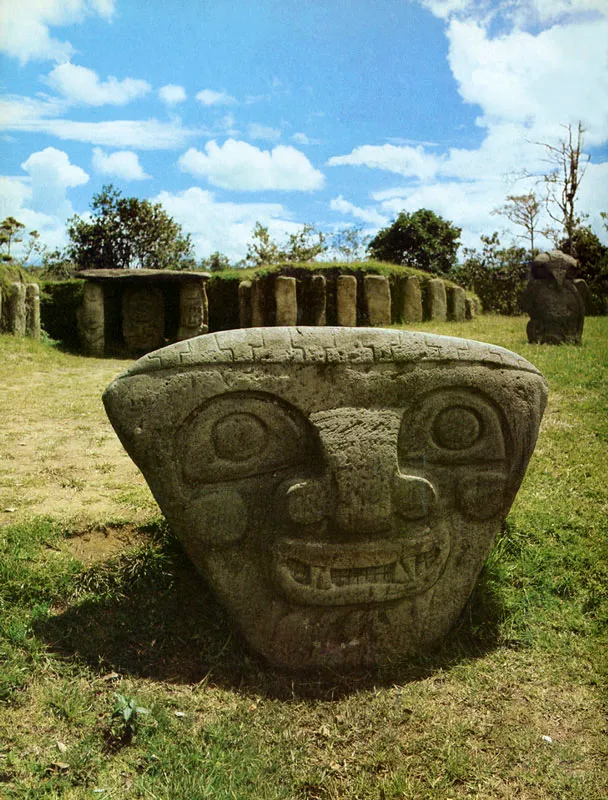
x=360 y=450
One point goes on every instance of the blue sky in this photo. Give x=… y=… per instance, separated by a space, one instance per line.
x=330 y=112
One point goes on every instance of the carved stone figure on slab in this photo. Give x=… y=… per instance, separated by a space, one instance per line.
x=339 y=488
x=143 y=318
x=557 y=312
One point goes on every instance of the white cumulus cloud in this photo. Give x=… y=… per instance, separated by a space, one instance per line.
x=82 y=85
x=240 y=166
x=172 y=94
x=26 y=25
x=122 y=164
x=223 y=226
x=208 y=97
x=266 y=132
x=402 y=160
x=369 y=215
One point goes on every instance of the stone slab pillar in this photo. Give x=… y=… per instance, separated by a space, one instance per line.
x=143 y=318
x=471 y=309
x=456 y=297
x=377 y=300
x=14 y=311
x=91 y=320
x=32 y=310
x=286 y=301
x=245 y=304
x=318 y=299
x=193 y=310
x=257 y=304
x=411 y=300
x=346 y=300
x=435 y=304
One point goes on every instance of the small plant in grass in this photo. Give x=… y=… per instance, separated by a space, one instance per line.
x=127 y=719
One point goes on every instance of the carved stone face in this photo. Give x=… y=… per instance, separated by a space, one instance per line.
x=339 y=488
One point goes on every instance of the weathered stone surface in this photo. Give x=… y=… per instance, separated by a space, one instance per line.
x=435 y=301
x=318 y=300
x=245 y=311
x=14 y=309
x=377 y=300
x=411 y=300
x=32 y=310
x=346 y=300
x=257 y=304
x=339 y=488
x=582 y=288
x=556 y=310
x=456 y=303
x=471 y=308
x=193 y=310
x=91 y=320
x=143 y=318
x=286 y=301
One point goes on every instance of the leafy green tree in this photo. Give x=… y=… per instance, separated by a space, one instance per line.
x=128 y=233
x=422 y=239
x=56 y=265
x=10 y=234
x=303 y=245
x=216 y=262
x=497 y=275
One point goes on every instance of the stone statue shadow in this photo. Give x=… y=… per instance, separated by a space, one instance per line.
x=167 y=626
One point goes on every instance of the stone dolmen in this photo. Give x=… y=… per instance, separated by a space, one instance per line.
x=339 y=488
x=556 y=309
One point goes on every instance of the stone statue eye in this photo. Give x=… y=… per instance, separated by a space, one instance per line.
x=241 y=434
x=456 y=428
x=452 y=426
x=239 y=437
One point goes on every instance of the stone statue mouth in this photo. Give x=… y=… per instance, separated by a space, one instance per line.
x=330 y=574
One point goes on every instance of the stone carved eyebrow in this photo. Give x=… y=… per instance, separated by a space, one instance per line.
x=329 y=345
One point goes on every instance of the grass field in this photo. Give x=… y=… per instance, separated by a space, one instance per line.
x=120 y=677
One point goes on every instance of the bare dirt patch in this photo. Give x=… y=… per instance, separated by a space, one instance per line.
x=99 y=544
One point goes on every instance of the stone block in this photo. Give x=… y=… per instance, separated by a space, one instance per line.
x=286 y=300
x=143 y=318
x=258 y=305
x=435 y=300
x=411 y=300
x=14 y=310
x=377 y=300
x=91 y=320
x=471 y=308
x=32 y=310
x=456 y=303
x=193 y=310
x=245 y=311
x=338 y=488
x=318 y=300
x=346 y=300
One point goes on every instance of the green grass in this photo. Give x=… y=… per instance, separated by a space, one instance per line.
x=86 y=641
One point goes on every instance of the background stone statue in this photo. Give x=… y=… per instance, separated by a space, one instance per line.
x=556 y=310
x=339 y=488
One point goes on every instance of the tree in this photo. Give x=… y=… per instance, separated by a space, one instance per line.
x=422 y=239
x=351 y=243
x=563 y=181
x=216 y=262
x=127 y=233
x=10 y=234
x=523 y=210
x=301 y=246
x=497 y=275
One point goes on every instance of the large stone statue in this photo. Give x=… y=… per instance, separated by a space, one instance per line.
x=339 y=488
x=557 y=312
